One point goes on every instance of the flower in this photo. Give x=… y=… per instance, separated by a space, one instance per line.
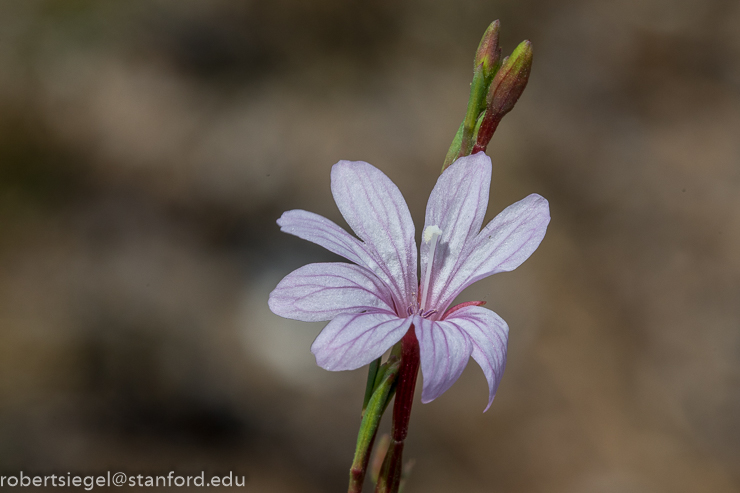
x=373 y=303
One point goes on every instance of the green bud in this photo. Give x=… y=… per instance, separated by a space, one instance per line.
x=504 y=91
x=486 y=62
x=488 y=56
x=485 y=66
x=511 y=79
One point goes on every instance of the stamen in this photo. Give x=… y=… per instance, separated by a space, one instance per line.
x=431 y=235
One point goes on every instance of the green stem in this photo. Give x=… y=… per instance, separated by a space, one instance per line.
x=372 y=372
x=369 y=426
x=454 y=150
x=476 y=104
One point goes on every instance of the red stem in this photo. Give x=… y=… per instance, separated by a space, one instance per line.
x=485 y=133
x=406 y=385
x=390 y=474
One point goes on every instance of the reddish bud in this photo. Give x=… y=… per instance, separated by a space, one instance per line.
x=488 y=55
x=504 y=91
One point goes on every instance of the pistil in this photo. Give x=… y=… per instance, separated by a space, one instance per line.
x=431 y=238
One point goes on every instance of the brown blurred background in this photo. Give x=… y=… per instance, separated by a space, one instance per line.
x=147 y=147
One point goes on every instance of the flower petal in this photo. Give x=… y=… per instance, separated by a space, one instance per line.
x=489 y=335
x=457 y=205
x=444 y=350
x=320 y=230
x=376 y=211
x=507 y=241
x=318 y=292
x=354 y=340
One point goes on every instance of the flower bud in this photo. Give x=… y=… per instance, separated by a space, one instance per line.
x=486 y=64
x=504 y=91
x=511 y=79
x=488 y=56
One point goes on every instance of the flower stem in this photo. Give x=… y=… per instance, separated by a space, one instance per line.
x=372 y=372
x=371 y=416
x=390 y=474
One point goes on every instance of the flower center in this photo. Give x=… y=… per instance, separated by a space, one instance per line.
x=431 y=238
x=418 y=311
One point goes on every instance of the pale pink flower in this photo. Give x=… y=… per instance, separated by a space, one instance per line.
x=373 y=302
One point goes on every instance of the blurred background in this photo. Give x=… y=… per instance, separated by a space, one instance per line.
x=147 y=148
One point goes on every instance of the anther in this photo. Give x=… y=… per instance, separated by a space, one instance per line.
x=428 y=313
